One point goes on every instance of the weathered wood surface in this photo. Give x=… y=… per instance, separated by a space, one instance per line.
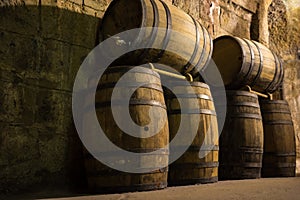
x=241 y=141
x=149 y=96
x=190 y=168
x=181 y=41
x=245 y=62
x=279 y=159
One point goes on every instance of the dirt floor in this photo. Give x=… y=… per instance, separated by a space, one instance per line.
x=261 y=189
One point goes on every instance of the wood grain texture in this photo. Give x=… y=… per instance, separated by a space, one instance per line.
x=279 y=158
x=189 y=168
x=241 y=141
x=104 y=179
x=245 y=62
x=183 y=42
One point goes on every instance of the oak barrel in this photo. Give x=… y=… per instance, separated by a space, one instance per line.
x=190 y=168
x=245 y=62
x=103 y=179
x=241 y=141
x=279 y=159
x=178 y=39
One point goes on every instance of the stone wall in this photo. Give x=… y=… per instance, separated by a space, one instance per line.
x=284 y=19
x=221 y=16
x=42 y=44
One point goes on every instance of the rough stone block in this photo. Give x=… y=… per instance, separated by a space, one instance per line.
x=220 y=31
x=77 y=56
x=290 y=73
x=237 y=9
x=54 y=110
x=50 y=2
x=69 y=26
x=18 y=144
x=246 y=4
x=46 y=63
x=71 y=5
x=52 y=152
x=18 y=159
x=54 y=63
x=20 y=176
x=20 y=19
x=11 y=105
x=93 y=12
x=18 y=52
x=99 y=5
x=234 y=24
x=17 y=103
x=198 y=9
x=14 y=3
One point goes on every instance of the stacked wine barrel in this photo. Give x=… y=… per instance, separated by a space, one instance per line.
x=190 y=168
x=241 y=141
x=244 y=62
x=174 y=40
x=279 y=139
x=150 y=95
x=258 y=138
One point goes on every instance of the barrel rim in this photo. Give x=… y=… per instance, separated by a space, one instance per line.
x=243 y=74
x=171 y=97
x=277 y=84
x=272 y=111
x=168 y=31
x=154 y=30
x=126 y=68
x=111 y=85
x=132 y=102
x=192 y=111
x=211 y=50
x=197 y=69
x=282 y=74
x=278 y=122
x=189 y=83
x=240 y=77
x=240 y=93
x=244 y=104
x=238 y=115
x=248 y=42
x=261 y=57
x=232 y=83
x=110 y=9
x=189 y=66
x=274 y=83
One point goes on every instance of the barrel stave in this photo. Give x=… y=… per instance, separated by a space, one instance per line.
x=279 y=140
x=244 y=62
x=176 y=29
x=241 y=141
x=101 y=178
x=190 y=168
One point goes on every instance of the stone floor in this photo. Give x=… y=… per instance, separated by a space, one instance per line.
x=262 y=189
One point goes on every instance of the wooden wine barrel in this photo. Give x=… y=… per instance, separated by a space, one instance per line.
x=181 y=41
x=241 y=141
x=103 y=179
x=244 y=62
x=189 y=168
x=279 y=159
